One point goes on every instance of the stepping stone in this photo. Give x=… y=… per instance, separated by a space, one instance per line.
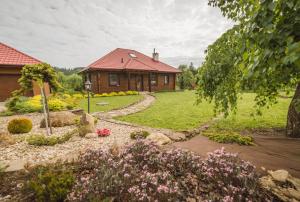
x=102 y=103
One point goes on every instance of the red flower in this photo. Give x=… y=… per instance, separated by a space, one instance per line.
x=103 y=132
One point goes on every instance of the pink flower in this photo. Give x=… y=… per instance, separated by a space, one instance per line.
x=103 y=132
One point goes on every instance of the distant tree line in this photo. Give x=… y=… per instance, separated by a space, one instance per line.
x=69 y=79
x=187 y=78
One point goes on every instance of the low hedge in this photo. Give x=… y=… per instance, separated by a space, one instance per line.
x=229 y=137
x=43 y=140
x=121 y=93
x=19 y=125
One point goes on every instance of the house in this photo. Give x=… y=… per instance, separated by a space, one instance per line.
x=11 y=63
x=125 y=69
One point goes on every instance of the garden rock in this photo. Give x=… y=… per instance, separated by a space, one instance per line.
x=91 y=135
x=176 y=136
x=282 y=184
x=88 y=123
x=60 y=119
x=159 y=138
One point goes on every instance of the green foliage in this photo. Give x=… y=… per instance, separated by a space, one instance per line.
x=50 y=183
x=38 y=72
x=112 y=94
x=264 y=48
x=19 y=125
x=121 y=93
x=70 y=83
x=229 y=137
x=6 y=113
x=130 y=92
x=187 y=79
x=82 y=131
x=139 y=134
x=42 y=140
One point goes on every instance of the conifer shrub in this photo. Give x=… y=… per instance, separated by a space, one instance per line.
x=19 y=125
x=139 y=134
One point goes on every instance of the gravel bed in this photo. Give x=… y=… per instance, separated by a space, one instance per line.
x=22 y=153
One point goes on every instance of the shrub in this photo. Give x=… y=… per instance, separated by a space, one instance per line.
x=103 y=132
x=230 y=137
x=143 y=172
x=77 y=96
x=56 y=104
x=7 y=113
x=43 y=140
x=98 y=95
x=121 y=93
x=51 y=183
x=104 y=95
x=139 y=134
x=82 y=131
x=130 y=92
x=6 y=139
x=112 y=94
x=19 y=125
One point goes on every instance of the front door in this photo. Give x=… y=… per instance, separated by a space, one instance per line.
x=139 y=82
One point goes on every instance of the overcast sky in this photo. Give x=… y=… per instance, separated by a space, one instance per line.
x=72 y=33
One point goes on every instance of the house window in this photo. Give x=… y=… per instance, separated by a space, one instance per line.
x=114 y=80
x=153 y=79
x=166 y=79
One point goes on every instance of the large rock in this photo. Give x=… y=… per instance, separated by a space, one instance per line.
x=60 y=119
x=87 y=124
x=175 y=136
x=279 y=175
x=282 y=184
x=91 y=135
x=159 y=138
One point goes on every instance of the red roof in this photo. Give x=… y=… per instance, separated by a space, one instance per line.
x=11 y=56
x=126 y=59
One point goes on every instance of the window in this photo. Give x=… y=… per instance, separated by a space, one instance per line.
x=132 y=55
x=114 y=80
x=166 y=79
x=153 y=79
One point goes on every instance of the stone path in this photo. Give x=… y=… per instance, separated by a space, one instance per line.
x=140 y=106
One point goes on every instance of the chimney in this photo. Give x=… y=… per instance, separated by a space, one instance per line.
x=155 y=56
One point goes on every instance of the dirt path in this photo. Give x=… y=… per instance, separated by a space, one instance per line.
x=270 y=152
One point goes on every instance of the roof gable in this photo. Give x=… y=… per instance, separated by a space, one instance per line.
x=122 y=59
x=11 y=56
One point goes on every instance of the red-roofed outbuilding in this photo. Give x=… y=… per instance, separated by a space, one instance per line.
x=11 y=63
x=125 y=69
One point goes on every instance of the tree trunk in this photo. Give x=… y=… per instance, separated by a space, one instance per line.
x=293 y=117
x=47 y=110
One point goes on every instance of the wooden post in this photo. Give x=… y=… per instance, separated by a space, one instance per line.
x=128 y=77
x=149 y=81
x=47 y=110
x=44 y=109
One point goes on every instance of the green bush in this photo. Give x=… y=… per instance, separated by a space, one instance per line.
x=104 y=95
x=121 y=93
x=7 y=113
x=130 y=92
x=19 y=125
x=51 y=183
x=82 y=131
x=139 y=134
x=42 y=140
x=229 y=137
x=112 y=94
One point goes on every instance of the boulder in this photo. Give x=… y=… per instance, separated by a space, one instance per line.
x=91 y=135
x=279 y=175
x=60 y=119
x=282 y=184
x=159 y=138
x=175 y=136
x=87 y=124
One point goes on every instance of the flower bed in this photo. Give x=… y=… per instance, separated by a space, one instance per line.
x=143 y=172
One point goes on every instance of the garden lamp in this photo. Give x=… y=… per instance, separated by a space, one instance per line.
x=88 y=87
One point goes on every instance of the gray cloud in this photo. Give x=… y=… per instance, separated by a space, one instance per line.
x=72 y=33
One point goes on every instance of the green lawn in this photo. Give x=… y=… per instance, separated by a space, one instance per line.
x=174 y=110
x=177 y=110
x=273 y=117
x=114 y=102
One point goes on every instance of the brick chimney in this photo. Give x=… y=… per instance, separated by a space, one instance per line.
x=155 y=56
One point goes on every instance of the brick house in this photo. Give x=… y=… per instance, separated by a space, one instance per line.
x=11 y=63
x=124 y=69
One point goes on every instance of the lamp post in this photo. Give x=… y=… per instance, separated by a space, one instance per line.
x=88 y=87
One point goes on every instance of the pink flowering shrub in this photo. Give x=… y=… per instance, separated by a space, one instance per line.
x=103 y=132
x=143 y=172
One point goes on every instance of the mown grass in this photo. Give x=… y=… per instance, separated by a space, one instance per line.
x=177 y=111
x=114 y=102
x=174 y=110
